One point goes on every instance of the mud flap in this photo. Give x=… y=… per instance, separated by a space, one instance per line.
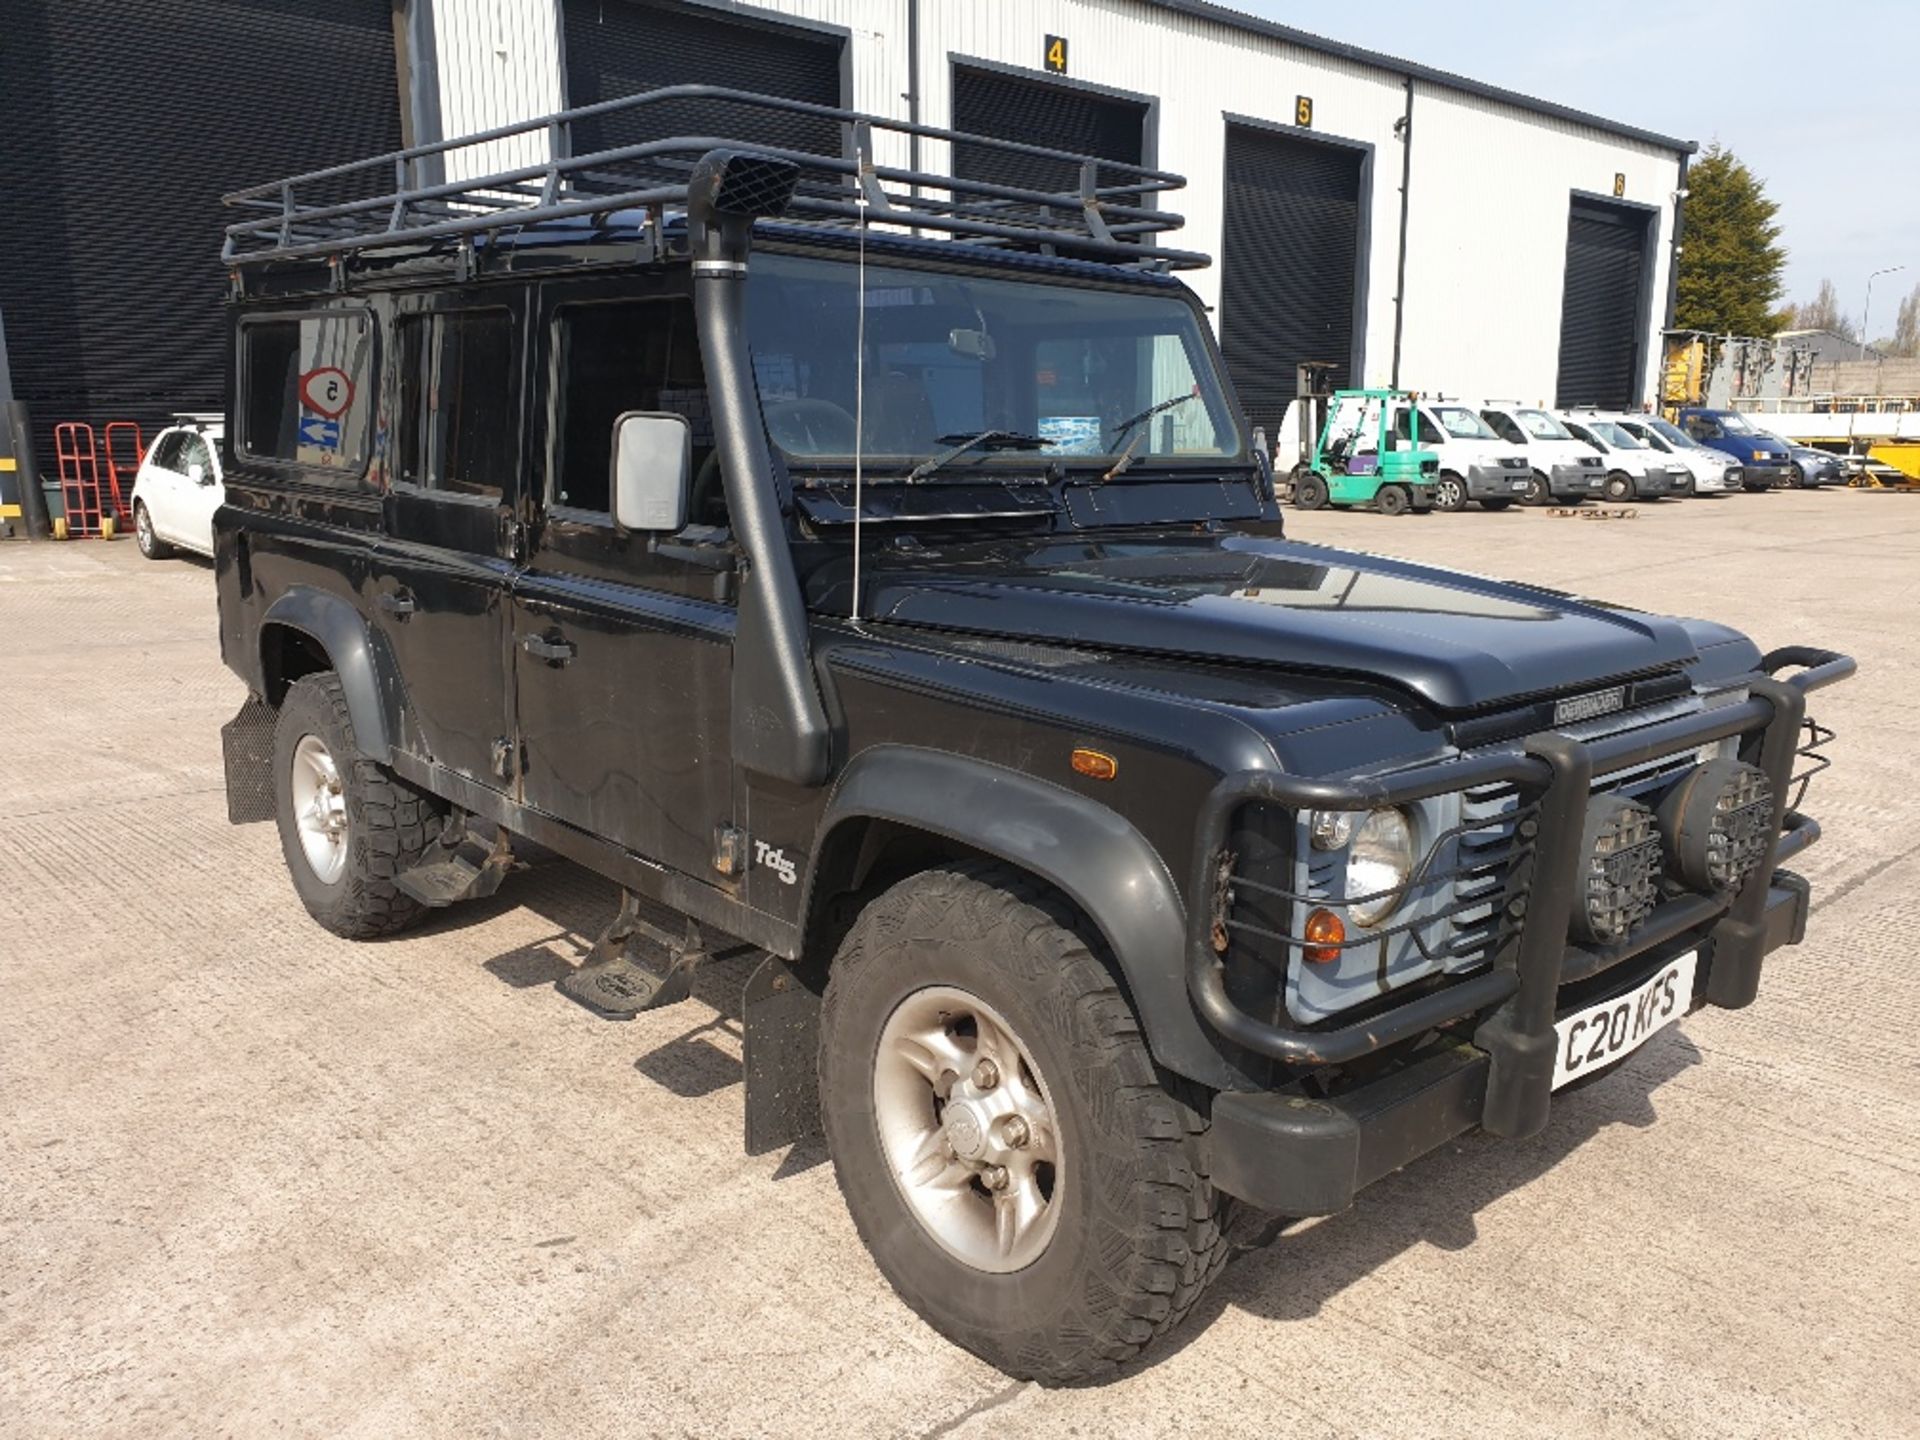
x=246 y=750
x=781 y=1018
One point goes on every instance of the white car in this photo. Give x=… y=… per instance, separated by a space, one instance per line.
x=178 y=488
x=1634 y=472
x=1714 y=471
x=1475 y=463
x=1564 y=468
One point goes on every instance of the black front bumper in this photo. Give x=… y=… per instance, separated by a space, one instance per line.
x=1295 y=1155
x=1502 y=1080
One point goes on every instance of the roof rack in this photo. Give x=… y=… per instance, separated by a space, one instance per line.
x=399 y=198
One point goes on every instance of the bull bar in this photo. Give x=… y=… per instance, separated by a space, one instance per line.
x=1301 y=1155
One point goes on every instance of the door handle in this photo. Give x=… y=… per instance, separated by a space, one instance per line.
x=398 y=603
x=554 y=652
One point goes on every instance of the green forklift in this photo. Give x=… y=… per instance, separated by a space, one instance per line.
x=1355 y=458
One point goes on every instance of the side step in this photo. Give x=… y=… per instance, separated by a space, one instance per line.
x=463 y=866
x=635 y=966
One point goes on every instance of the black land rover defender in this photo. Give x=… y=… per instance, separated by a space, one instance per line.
x=871 y=568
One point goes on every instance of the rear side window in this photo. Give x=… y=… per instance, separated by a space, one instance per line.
x=456 y=420
x=612 y=357
x=305 y=390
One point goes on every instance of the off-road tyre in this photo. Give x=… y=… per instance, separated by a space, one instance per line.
x=1140 y=1236
x=151 y=545
x=1393 y=500
x=1620 y=486
x=1310 y=491
x=1538 y=491
x=1450 y=493
x=389 y=823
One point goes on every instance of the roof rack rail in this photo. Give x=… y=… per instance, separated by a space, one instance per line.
x=1108 y=214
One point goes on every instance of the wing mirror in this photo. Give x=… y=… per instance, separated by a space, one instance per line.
x=652 y=464
x=974 y=344
x=197 y=473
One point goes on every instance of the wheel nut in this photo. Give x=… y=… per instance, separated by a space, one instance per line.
x=1018 y=1133
x=986 y=1075
x=994 y=1177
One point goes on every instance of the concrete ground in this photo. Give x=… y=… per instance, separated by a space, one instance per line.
x=257 y=1181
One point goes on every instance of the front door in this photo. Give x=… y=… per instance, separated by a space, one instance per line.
x=623 y=642
x=443 y=574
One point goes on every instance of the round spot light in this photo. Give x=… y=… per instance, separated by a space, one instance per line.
x=1718 y=824
x=1620 y=870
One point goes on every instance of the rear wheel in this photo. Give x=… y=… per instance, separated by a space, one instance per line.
x=1538 y=491
x=1023 y=1175
x=1450 y=494
x=1619 y=486
x=348 y=826
x=151 y=545
x=1310 y=491
x=1393 y=500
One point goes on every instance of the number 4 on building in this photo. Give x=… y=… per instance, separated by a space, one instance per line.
x=1057 y=54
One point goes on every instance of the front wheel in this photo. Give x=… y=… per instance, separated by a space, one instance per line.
x=1538 y=491
x=1023 y=1175
x=1619 y=486
x=1450 y=494
x=348 y=826
x=1800 y=481
x=151 y=545
x=1393 y=500
x=1310 y=491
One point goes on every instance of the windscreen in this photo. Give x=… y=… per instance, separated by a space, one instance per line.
x=1462 y=423
x=1735 y=424
x=1616 y=435
x=1673 y=434
x=949 y=356
x=1540 y=425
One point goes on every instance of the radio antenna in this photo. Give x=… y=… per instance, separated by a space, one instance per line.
x=860 y=378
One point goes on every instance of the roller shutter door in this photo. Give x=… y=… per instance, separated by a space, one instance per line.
x=1601 y=307
x=125 y=121
x=625 y=47
x=1040 y=112
x=1289 y=264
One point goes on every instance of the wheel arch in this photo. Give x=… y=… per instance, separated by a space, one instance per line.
x=898 y=800
x=306 y=630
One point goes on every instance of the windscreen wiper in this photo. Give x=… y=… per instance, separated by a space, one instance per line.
x=964 y=444
x=1133 y=423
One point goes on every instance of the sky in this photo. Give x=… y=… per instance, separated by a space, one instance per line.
x=1814 y=97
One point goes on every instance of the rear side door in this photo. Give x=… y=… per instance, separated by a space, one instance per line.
x=623 y=642
x=200 y=492
x=444 y=571
x=159 y=483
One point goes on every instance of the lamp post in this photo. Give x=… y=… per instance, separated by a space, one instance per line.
x=1868 y=309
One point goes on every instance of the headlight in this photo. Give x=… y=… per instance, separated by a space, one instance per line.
x=1759 y=454
x=1379 y=863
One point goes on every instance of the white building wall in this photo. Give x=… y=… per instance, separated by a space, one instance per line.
x=1487 y=240
x=1491 y=184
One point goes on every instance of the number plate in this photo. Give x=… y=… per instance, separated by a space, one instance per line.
x=1519 y=484
x=1594 y=1038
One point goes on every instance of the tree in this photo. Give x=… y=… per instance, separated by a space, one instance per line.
x=1906 y=327
x=1730 y=257
x=1820 y=313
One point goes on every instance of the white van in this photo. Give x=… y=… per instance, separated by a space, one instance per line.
x=1563 y=468
x=1475 y=463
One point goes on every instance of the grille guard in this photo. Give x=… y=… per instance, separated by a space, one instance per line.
x=1515 y=998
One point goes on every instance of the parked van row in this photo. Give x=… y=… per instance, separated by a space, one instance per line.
x=1497 y=453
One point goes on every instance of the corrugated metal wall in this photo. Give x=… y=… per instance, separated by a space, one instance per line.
x=1490 y=194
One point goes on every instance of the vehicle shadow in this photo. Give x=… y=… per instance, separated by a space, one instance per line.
x=1434 y=1201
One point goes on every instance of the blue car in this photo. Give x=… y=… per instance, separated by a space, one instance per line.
x=1764 y=460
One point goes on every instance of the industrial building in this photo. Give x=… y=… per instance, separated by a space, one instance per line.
x=1407 y=225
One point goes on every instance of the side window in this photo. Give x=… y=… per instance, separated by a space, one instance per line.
x=611 y=357
x=1580 y=432
x=166 y=451
x=304 y=387
x=1502 y=426
x=193 y=451
x=455 y=421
